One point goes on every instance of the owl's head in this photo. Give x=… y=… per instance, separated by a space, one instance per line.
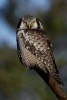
x=29 y=22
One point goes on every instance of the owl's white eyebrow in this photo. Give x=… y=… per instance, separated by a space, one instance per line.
x=33 y=20
x=24 y=21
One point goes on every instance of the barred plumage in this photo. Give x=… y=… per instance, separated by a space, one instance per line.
x=34 y=47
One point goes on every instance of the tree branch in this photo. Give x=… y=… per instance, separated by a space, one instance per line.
x=55 y=87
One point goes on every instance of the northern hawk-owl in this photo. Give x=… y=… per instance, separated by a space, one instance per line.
x=35 y=48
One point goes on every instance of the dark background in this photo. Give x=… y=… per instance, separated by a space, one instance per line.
x=17 y=83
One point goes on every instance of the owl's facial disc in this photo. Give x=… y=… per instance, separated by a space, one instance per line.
x=36 y=24
x=30 y=23
x=23 y=25
x=33 y=24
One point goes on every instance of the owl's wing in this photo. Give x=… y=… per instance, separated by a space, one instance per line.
x=19 y=52
x=39 y=45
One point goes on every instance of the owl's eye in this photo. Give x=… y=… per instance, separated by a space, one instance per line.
x=32 y=23
x=24 y=23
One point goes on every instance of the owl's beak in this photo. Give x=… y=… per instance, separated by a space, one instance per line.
x=29 y=26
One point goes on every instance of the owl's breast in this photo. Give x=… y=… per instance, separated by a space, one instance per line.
x=28 y=43
x=25 y=55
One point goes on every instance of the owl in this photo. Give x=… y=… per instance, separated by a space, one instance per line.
x=34 y=47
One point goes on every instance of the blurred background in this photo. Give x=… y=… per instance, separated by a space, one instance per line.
x=17 y=83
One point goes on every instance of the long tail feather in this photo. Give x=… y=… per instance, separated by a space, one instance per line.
x=55 y=87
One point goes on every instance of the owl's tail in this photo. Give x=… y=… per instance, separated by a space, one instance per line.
x=55 y=87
